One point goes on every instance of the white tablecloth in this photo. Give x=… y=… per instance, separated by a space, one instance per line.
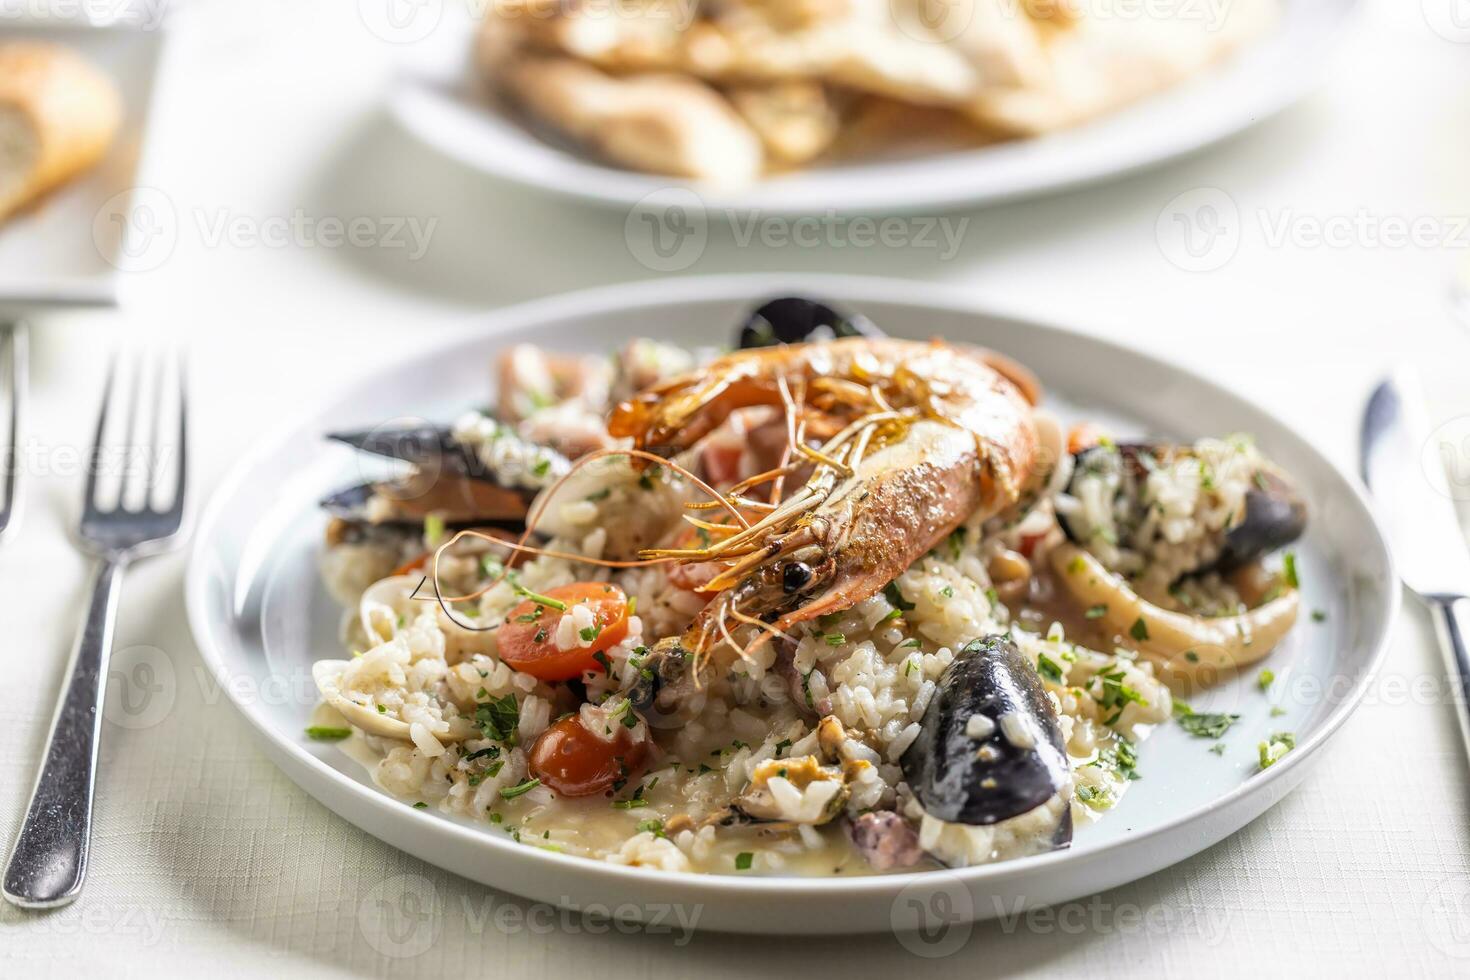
x=207 y=860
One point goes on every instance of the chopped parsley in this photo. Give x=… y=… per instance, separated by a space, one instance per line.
x=1319 y=615
x=1271 y=750
x=520 y=789
x=1265 y=679
x=421 y=805
x=538 y=598
x=601 y=658
x=1139 y=630
x=1048 y=668
x=654 y=827
x=589 y=633
x=325 y=733
x=1097 y=612
x=1122 y=758
x=1288 y=570
x=1207 y=725
x=947 y=591
x=499 y=719
x=743 y=861
x=895 y=598
x=1115 y=695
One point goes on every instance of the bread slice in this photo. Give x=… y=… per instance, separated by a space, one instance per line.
x=58 y=116
x=658 y=123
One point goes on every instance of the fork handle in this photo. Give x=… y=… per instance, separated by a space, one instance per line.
x=1451 y=614
x=49 y=860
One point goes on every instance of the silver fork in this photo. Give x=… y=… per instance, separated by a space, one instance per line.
x=49 y=860
x=15 y=337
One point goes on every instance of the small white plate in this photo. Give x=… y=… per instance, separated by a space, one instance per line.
x=438 y=98
x=261 y=616
x=68 y=248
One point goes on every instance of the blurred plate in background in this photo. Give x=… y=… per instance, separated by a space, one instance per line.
x=439 y=99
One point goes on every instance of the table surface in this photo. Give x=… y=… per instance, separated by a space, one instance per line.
x=206 y=857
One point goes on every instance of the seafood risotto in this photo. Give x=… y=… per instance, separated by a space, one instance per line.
x=829 y=603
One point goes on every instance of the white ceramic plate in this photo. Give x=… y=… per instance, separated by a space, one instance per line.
x=69 y=247
x=438 y=99
x=261 y=616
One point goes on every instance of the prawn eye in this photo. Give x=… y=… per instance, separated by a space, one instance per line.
x=796 y=576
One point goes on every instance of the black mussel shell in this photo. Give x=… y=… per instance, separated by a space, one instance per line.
x=1275 y=513
x=797 y=320
x=350 y=503
x=962 y=779
x=1275 y=516
x=421 y=445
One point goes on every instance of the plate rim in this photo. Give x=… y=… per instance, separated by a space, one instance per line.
x=676 y=291
x=621 y=188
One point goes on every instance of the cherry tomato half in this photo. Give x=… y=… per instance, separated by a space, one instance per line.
x=527 y=640
x=575 y=762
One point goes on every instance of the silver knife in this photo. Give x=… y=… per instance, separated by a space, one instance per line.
x=1418 y=514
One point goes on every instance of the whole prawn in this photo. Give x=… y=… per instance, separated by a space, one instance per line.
x=899 y=442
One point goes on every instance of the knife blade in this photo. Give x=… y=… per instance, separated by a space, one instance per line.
x=1403 y=465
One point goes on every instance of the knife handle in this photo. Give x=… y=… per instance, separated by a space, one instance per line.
x=1451 y=615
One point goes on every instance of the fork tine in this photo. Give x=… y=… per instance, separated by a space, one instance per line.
x=178 y=504
x=89 y=494
x=17 y=335
x=153 y=458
